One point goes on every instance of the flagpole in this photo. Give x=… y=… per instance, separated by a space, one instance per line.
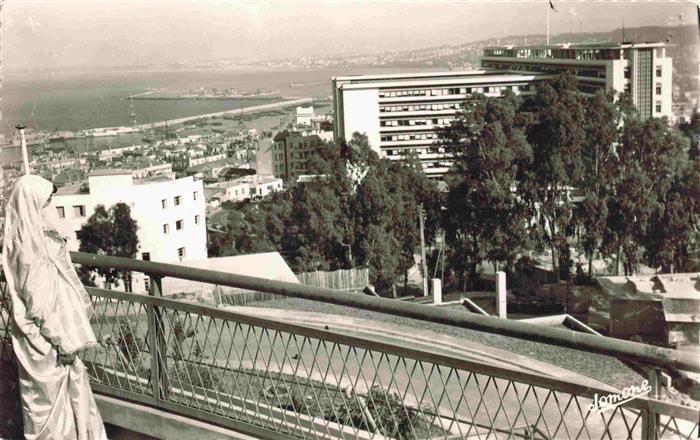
x=548 y=6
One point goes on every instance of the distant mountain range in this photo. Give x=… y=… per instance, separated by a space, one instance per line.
x=683 y=46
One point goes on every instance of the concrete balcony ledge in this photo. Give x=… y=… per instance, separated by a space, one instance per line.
x=160 y=424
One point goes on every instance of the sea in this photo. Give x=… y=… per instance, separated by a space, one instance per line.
x=77 y=100
x=53 y=101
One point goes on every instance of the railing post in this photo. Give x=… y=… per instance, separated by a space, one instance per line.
x=650 y=420
x=156 y=342
x=501 y=295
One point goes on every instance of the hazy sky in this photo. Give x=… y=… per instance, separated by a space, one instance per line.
x=105 y=33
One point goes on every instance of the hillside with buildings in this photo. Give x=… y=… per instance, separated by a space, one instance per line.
x=682 y=43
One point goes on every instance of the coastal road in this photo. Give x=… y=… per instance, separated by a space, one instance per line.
x=236 y=112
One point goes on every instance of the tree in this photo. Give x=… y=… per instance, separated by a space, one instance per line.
x=112 y=233
x=411 y=192
x=487 y=218
x=389 y=199
x=360 y=211
x=671 y=239
x=557 y=137
x=691 y=129
x=221 y=244
x=599 y=162
x=649 y=159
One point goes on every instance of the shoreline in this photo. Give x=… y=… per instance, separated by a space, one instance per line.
x=117 y=131
x=146 y=96
x=236 y=112
x=12 y=154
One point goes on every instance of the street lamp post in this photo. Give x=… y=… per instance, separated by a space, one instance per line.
x=25 y=156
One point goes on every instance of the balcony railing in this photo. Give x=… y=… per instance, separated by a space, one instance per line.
x=274 y=379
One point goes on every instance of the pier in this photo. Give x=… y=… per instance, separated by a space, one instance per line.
x=236 y=112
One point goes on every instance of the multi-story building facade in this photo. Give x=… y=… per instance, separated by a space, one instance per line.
x=170 y=214
x=402 y=113
x=291 y=152
x=641 y=69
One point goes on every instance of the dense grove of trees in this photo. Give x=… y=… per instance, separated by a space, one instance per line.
x=519 y=161
x=360 y=211
x=543 y=173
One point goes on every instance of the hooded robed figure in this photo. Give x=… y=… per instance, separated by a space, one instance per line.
x=51 y=314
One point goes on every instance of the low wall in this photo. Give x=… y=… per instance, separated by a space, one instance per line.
x=160 y=424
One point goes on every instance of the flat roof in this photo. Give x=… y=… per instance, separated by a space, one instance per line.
x=503 y=76
x=605 y=45
x=384 y=76
x=256 y=179
x=109 y=172
x=69 y=190
x=152 y=179
x=214 y=163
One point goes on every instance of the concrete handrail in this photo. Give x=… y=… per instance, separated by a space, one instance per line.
x=660 y=357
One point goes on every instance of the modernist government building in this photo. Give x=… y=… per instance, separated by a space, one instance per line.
x=402 y=112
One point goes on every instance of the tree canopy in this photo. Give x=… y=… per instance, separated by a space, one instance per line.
x=112 y=233
x=534 y=173
x=359 y=211
x=487 y=218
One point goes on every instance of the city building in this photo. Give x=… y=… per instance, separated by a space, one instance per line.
x=291 y=152
x=145 y=170
x=402 y=112
x=192 y=158
x=209 y=170
x=253 y=187
x=170 y=214
x=642 y=69
x=304 y=115
x=111 y=153
x=263 y=157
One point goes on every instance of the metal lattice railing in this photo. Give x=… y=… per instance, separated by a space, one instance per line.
x=275 y=379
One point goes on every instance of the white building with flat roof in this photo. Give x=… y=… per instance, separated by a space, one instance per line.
x=255 y=186
x=402 y=112
x=170 y=214
x=641 y=69
x=304 y=115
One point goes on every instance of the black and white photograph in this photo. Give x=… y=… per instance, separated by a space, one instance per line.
x=410 y=220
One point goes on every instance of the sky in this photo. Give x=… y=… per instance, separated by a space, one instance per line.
x=84 y=34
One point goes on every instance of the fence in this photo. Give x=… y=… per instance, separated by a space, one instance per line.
x=342 y=279
x=243 y=298
x=273 y=379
